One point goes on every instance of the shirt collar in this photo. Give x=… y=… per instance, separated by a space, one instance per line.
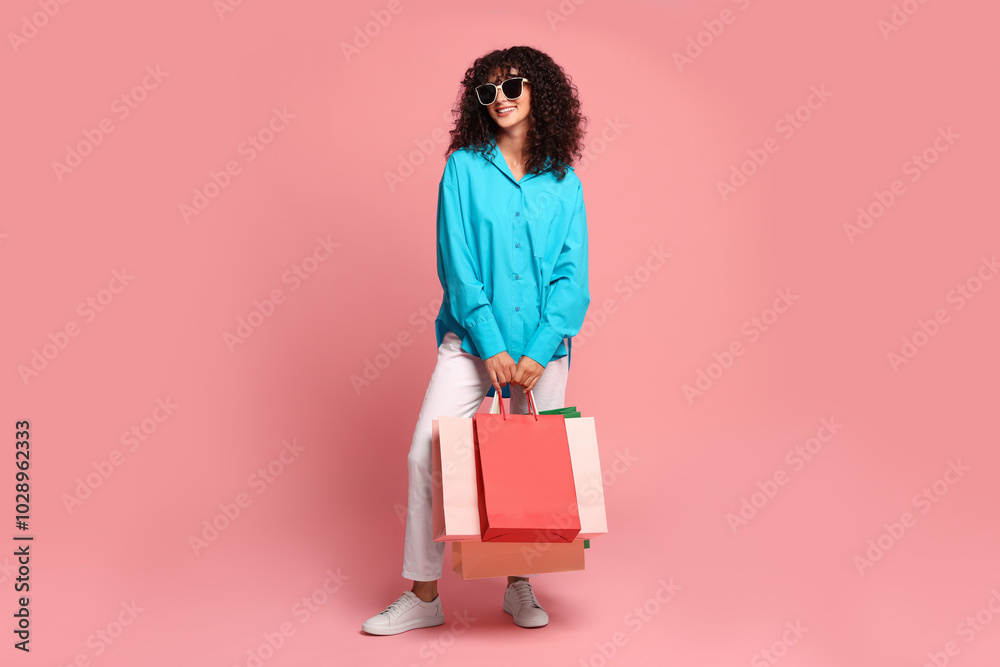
x=494 y=155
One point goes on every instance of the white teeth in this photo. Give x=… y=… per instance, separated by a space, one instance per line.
x=506 y=110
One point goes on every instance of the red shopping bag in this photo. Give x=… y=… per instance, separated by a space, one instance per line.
x=524 y=473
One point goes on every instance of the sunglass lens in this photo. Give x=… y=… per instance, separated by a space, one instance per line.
x=487 y=94
x=512 y=88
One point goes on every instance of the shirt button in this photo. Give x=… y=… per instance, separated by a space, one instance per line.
x=517 y=277
x=517 y=213
x=517 y=307
x=517 y=245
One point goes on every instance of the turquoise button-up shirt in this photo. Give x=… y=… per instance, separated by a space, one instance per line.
x=512 y=258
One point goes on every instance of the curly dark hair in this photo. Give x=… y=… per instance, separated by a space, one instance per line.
x=556 y=123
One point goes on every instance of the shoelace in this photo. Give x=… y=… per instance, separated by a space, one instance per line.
x=525 y=595
x=400 y=604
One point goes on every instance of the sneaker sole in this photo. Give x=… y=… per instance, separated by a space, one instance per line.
x=411 y=625
x=506 y=608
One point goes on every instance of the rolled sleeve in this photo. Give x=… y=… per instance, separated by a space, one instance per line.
x=464 y=292
x=568 y=291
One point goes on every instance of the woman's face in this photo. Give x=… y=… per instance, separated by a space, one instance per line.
x=516 y=111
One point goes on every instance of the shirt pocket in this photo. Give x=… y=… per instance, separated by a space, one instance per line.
x=544 y=223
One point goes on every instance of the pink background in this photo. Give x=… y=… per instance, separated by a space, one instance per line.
x=660 y=139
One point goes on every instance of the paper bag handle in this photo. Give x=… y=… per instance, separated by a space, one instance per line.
x=497 y=401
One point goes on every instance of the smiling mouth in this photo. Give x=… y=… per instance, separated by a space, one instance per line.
x=506 y=111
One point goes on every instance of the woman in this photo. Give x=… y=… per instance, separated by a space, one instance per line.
x=512 y=260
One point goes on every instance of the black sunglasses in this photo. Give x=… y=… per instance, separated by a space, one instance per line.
x=512 y=89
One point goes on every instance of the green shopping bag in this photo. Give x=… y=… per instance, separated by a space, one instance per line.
x=566 y=412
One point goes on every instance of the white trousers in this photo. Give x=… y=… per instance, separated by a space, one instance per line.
x=456 y=389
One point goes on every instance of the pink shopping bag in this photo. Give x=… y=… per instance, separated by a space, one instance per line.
x=456 y=499
x=582 y=435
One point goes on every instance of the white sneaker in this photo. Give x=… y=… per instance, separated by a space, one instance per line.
x=408 y=612
x=519 y=601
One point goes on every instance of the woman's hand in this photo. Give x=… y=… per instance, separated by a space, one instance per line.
x=501 y=368
x=527 y=373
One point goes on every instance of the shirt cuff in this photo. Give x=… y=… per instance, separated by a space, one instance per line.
x=487 y=337
x=543 y=344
